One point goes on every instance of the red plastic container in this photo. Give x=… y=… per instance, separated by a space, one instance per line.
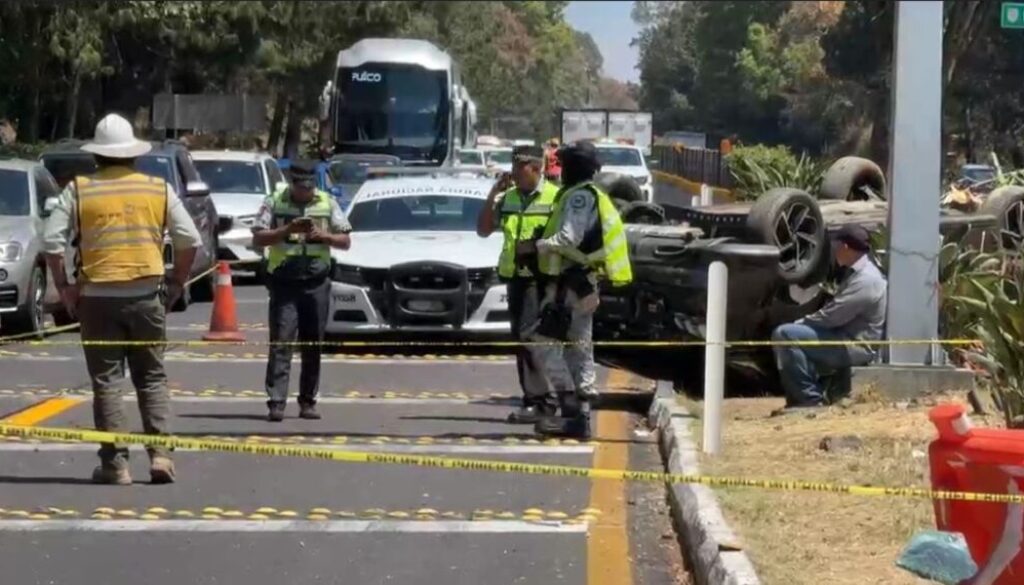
x=968 y=459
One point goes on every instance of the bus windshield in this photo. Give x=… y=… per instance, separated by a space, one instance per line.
x=393 y=109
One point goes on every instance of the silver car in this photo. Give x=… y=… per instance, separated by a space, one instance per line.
x=239 y=181
x=27 y=294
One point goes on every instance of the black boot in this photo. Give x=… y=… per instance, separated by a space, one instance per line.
x=576 y=427
x=530 y=414
x=275 y=412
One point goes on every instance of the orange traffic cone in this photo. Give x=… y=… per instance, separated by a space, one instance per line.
x=224 y=320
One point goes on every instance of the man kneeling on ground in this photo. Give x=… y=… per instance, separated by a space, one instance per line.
x=855 y=314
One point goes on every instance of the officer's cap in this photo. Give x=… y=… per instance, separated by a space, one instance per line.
x=527 y=154
x=582 y=153
x=303 y=171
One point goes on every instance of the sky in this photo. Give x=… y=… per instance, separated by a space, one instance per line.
x=612 y=28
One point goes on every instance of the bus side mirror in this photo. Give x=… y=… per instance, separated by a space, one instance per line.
x=325 y=100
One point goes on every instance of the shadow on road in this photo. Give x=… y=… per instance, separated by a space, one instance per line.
x=44 y=480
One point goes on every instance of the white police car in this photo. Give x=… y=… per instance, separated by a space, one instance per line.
x=416 y=262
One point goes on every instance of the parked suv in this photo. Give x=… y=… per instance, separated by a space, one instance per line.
x=24 y=188
x=171 y=161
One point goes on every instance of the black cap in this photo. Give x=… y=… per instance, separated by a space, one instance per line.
x=582 y=151
x=854 y=236
x=527 y=154
x=303 y=170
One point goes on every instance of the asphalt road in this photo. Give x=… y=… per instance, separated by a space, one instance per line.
x=234 y=518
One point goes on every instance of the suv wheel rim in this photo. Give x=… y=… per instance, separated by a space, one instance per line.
x=1013 y=220
x=796 y=232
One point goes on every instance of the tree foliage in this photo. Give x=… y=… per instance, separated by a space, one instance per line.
x=67 y=64
x=816 y=75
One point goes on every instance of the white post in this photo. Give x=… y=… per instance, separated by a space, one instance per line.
x=694 y=200
x=707 y=196
x=714 y=357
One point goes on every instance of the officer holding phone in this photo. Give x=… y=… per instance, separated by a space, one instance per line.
x=299 y=224
x=520 y=205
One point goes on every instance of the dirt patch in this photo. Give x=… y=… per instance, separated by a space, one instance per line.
x=796 y=538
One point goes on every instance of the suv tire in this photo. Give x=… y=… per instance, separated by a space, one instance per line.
x=791 y=220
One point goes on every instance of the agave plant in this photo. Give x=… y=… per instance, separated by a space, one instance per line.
x=757 y=169
x=992 y=310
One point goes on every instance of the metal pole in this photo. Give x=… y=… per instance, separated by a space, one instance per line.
x=915 y=167
x=714 y=357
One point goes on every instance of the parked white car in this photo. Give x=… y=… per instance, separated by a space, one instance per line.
x=416 y=262
x=27 y=294
x=498 y=158
x=239 y=181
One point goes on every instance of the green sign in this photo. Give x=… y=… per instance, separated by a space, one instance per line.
x=1012 y=15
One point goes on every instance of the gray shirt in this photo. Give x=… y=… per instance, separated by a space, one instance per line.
x=579 y=216
x=62 y=225
x=858 y=309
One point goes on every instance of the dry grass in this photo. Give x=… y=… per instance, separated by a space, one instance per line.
x=797 y=538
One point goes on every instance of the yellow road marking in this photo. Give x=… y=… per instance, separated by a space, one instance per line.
x=41 y=411
x=608 y=539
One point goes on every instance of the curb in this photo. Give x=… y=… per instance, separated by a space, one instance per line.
x=709 y=544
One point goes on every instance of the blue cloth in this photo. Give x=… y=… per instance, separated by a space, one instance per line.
x=939 y=556
x=800 y=367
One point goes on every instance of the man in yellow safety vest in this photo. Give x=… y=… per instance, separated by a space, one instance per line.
x=300 y=224
x=520 y=205
x=583 y=244
x=117 y=218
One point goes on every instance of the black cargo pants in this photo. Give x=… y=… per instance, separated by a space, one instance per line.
x=298 y=312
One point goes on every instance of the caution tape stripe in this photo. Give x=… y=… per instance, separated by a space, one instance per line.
x=318 y=513
x=450 y=463
x=493 y=344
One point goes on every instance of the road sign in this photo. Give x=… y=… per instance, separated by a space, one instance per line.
x=1012 y=15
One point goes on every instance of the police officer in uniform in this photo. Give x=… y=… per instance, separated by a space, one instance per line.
x=299 y=224
x=583 y=244
x=520 y=205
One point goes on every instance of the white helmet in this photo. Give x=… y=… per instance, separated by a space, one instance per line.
x=114 y=139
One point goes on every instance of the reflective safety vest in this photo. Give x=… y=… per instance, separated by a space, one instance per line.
x=520 y=224
x=611 y=260
x=283 y=212
x=121 y=218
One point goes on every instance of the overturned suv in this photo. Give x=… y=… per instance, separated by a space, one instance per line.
x=778 y=257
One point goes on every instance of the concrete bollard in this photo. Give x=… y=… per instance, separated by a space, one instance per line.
x=714 y=357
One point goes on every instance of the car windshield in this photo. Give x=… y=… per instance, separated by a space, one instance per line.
x=156 y=166
x=471 y=157
x=500 y=157
x=619 y=157
x=354 y=171
x=14 y=199
x=979 y=174
x=65 y=168
x=232 y=176
x=416 y=213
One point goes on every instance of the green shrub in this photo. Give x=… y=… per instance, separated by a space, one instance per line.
x=22 y=150
x=756 y=169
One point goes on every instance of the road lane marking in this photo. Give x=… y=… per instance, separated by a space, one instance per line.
x=608 y=541
x=171 y=357
x=321 y=526
x=330 y=397
x=41 y=411
x=229 y=514
x=361 y=448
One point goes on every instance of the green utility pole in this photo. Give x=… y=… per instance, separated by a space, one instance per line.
x=1012 y=15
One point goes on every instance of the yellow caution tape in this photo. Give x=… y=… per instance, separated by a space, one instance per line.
x=436 y=462
x=496 y=343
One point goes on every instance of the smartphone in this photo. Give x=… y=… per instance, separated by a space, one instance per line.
x=305 y=222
